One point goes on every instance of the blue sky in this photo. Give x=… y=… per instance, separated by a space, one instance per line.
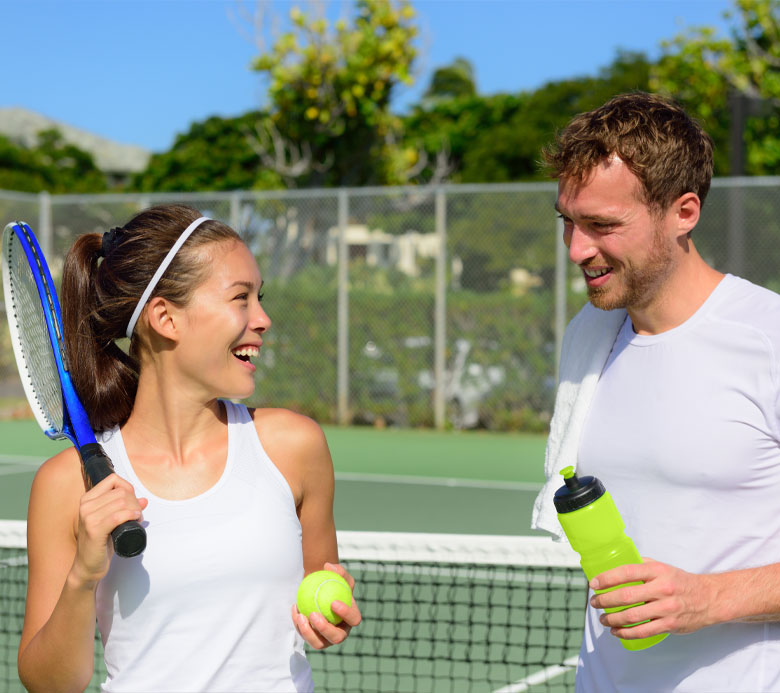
x=141 y=71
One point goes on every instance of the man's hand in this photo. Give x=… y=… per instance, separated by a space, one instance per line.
x=674 y=601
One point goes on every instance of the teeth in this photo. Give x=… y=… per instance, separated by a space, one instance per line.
x=595 y=273
x=247 y=351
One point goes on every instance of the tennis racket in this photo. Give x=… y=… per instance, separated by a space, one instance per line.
x=33 y=313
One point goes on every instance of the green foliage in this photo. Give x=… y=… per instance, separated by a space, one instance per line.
x=330 y=91
x=391 y=352
x=516 y=237
x=289 y=377
x=215 y=154
x=52 y=165
x=329 y=121
x=498 y=138
x=452 y=82
x=701 y=69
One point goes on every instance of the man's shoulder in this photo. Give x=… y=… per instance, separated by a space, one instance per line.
x=749 y=307
x=747 y=302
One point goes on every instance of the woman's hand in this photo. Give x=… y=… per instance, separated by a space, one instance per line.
x=317 y=630
x=101 y=509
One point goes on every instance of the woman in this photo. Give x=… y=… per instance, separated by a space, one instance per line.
x=237 y=503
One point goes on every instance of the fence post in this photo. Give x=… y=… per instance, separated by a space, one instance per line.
x=44 y=222
x=342 y=363
x=235 y=211
x=736 y=233
x=440 y=314
x=561 y=270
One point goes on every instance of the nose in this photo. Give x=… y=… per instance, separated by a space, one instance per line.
x=260 y=321
x=580 y=244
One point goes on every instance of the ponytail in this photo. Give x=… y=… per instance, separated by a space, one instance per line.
x=105 y=377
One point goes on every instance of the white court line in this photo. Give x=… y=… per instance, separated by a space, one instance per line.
x=540 y=676
x=438 y=481
x=22 y=459
x=10 y=470
x=18 y=463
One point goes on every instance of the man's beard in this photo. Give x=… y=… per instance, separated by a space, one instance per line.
x=639 y=284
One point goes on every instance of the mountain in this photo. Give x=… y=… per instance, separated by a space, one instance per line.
x=23 y=126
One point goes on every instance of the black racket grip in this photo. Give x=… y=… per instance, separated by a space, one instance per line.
x=129 y=538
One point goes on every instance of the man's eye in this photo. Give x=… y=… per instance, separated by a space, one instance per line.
x=260 y=297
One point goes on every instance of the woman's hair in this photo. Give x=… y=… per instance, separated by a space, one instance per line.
x=103 y=279
x=662 y=146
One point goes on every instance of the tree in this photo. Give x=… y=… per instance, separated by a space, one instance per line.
x=330 y=89
x=452 y=81
x=706 y=72
x=212 y=155
x=498 y=138
x=52 y=165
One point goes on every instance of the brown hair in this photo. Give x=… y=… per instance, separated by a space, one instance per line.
x=99 y=296
x=662 y=146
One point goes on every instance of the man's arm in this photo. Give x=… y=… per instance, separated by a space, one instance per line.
x=676 y=601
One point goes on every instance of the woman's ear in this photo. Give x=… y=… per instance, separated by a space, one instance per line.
x=163 y=317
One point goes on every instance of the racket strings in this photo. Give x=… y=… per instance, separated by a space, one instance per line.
x=32 y=337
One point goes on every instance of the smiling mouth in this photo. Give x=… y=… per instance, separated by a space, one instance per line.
x=596 y=273
x=245 y=353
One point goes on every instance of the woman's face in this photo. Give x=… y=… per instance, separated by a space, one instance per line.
x=224 y=323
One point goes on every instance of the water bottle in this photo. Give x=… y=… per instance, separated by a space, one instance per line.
x=596 y=531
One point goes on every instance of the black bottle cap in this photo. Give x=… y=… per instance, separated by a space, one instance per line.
x=577 y=492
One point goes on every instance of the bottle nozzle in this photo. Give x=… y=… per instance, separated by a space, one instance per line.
x=570 y=478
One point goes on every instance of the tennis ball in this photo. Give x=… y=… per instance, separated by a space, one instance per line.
x=317 y=592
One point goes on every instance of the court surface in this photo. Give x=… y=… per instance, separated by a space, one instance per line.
x=386 y=480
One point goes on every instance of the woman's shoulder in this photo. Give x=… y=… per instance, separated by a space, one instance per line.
x=57 y=487
x=283 y=424
x=63 y=471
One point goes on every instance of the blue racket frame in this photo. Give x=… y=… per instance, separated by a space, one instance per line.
x=129 y=538
x=76 y=425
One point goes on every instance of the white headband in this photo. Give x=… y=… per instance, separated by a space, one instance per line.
x=159 y=273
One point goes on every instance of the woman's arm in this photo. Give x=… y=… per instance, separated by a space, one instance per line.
x=68 y=553
x=298 y=446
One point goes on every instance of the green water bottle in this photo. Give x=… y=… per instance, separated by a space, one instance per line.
x=596 y=531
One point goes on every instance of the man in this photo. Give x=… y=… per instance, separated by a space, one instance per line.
x=682 y=424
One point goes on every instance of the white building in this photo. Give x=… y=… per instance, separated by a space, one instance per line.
x=380 y=249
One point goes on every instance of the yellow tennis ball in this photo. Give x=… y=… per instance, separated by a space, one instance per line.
x=317 y=592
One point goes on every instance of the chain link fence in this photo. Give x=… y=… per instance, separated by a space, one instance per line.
x=426 y=307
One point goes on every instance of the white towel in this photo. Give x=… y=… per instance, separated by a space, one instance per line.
x=586 y=346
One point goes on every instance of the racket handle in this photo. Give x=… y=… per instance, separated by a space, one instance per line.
x=129 y=538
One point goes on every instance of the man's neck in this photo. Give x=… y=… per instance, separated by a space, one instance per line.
x=678 y=298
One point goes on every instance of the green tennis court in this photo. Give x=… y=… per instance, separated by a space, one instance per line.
x=387 y=480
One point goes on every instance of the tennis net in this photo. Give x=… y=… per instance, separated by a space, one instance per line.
x=441 y=612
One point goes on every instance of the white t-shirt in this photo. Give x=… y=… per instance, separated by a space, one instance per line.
x=207 y=606
x=683 y=431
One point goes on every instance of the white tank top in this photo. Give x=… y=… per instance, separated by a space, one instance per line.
x=207 y=606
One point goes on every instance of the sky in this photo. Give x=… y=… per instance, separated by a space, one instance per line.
x=142 y=71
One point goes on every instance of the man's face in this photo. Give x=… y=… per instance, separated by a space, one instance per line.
x=625 y=252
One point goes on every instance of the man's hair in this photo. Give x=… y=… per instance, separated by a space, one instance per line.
x=660 y=143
